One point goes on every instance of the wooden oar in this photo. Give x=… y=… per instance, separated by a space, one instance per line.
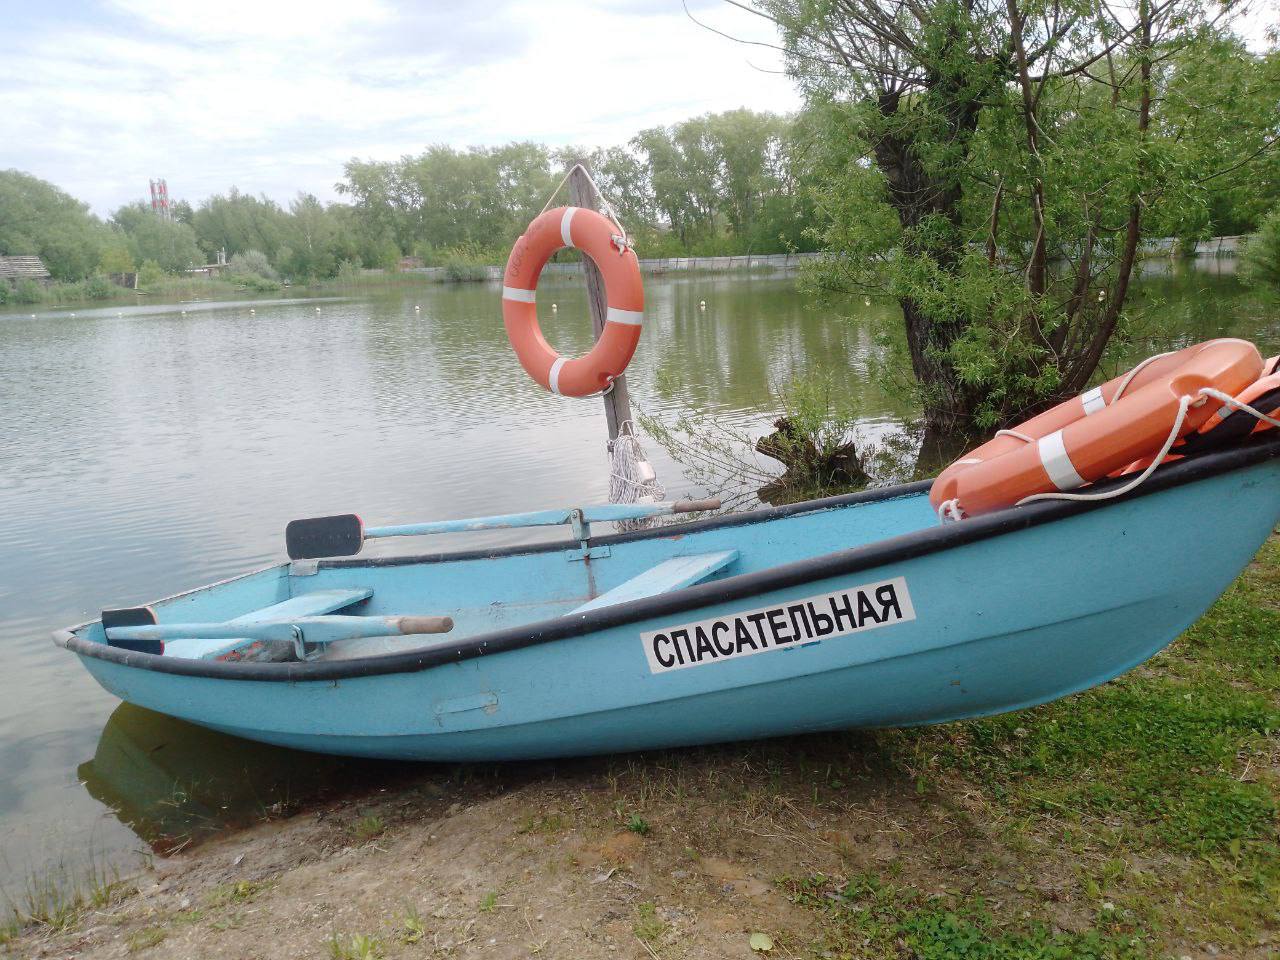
x=344 y=535
x=310 y=629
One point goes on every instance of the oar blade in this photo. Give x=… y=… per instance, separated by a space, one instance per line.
x=319 y=537
x=132 y=617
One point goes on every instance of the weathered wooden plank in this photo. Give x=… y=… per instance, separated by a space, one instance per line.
x=617 y=402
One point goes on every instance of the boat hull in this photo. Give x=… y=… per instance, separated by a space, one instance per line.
x=1006 y=621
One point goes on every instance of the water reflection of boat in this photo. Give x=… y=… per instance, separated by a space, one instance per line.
x=169 y=780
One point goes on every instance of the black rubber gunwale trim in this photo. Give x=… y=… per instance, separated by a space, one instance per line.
x=891 y=550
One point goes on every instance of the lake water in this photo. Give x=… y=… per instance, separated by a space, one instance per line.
x=148 y=450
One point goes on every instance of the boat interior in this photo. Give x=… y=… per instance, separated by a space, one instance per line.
x=348 y=608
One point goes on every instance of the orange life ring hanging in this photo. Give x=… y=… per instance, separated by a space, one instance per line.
x=1103 y=430
x=598 y=238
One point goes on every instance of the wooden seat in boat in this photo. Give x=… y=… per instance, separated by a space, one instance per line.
x=673 y=574
x=315 y=604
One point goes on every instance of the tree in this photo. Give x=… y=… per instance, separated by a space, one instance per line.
x=167 y=243
x=38 y=218
x=991 y=164
x=237 y=222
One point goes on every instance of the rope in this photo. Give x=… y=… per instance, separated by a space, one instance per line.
x=624 y=241
x=1183 y=404
x=1239 y=405
x=1128 y=377
x=949 y=511
x=631 y=477
x=1014 y=433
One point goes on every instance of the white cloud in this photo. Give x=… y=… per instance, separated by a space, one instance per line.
x=274 y=96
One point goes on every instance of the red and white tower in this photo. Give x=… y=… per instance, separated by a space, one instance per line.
x=160 y=199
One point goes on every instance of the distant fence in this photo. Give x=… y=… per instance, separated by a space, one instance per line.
x=756 y=261
x=1214 y=247
x=1154 y=247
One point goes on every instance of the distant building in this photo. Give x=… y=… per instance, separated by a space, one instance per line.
x=13 y=269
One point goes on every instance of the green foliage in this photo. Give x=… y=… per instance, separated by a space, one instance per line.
x=231 y=894
x=150 y=273
x=169 y=244
x=27 y=291
x=648 y=926
x=414 y=927
x=145 y=939
x=38 y=218
x=815 y=441
x=886 y=920
x=251 y=263
x=116 y=257
x=369 y=828
x=639 y=825
x=1000 y=203
x=358 y=946
x=99 y=287
x=1262 y=254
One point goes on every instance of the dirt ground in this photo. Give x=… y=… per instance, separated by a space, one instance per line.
x=664 y=855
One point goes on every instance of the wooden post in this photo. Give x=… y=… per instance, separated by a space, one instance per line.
x=617 y=402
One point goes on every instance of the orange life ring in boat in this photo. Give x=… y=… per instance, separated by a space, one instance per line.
x=1103 y=430
x=597 y=237
x=1229 y=423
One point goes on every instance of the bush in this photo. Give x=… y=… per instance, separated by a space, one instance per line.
x=252 y=263
x=149 y=273
x=99 y=288
x=28 y=291
x=1262 y=254
x=349 y=271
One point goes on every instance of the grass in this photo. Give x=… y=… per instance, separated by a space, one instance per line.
x=356 y=946
x=546 y=823
x=1161 y=786
x=649 y=927
x=145 y=938
x=414 y=928
x=369 y=828
x=233 y=894
x=638 y=824
x=873 y=919
x=55 y=896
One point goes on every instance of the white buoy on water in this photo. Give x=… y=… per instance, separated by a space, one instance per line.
x=417 y=309
x=253 y=312
x=317 y=309
x=702 y=304
x=555 y=307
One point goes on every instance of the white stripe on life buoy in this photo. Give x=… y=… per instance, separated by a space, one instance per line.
x=632 y=317
x=565 y=235
x=1092 y=401
x=553 y=379
x=1057 y=464
x=520 y=294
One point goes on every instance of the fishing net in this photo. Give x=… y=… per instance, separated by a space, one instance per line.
x=632 y=478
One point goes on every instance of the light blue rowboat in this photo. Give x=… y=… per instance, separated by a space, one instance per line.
x=854 y=611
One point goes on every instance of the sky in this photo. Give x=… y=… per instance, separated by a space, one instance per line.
x=273 y=96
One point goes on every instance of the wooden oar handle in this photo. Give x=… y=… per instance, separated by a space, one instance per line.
x=425 y=624
x=694 y=506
